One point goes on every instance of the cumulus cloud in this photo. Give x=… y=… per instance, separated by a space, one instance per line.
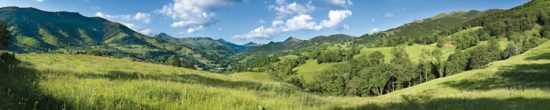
x=194 y=30
x=340 y=2
x=188 y=13
x=127 y=20
x=297 y=23
x=335 y=17
x=139 y=29
x=282 y=8
x=142 y=17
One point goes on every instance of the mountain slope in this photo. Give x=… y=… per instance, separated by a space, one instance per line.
x=218 y=50
x=425 y=31
x=34 y=29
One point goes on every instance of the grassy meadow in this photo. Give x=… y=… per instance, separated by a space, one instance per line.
x=58 y=81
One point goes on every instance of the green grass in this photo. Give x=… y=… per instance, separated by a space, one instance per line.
x=414 y=51
x=311 y=69
x=57 y=81
x=28 y=41
x=520 y=83
x=260 y=76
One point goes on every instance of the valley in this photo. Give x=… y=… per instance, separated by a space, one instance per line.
x=496 y=59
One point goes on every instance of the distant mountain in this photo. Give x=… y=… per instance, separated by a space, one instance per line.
x=291 y=45
x=252 y=44
x=35 y=30
x=219 y=49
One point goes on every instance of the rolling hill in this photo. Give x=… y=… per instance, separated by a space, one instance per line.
x=34 y=30
x=57 y=81
x=506 y=55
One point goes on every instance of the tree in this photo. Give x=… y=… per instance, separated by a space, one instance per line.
x=174 y=61
x=440 y=42
x=425 y=64
x=378 y=78
x=510 y=50
x=545 y=32
x=5 y=36
x=437 y=63
x=479 y=57
x=365 y=61
x=456 y=63
x=494 y=49
x=405 y=71
x=400 y=56
x=330 y=55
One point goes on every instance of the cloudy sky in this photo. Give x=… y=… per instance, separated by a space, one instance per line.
x=242 y=21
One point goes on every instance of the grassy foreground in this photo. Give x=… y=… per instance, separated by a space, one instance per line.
x=56 y=81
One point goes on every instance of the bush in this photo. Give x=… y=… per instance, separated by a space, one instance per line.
x=4 y=36
x=8 y=61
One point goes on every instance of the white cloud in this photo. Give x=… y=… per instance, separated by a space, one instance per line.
x=346 y=26
x=374 y=30
x=39 y=0
x=194 y=29
x=335 y=17
x=127 y=19
x=146 y=31
x=142 y=17
x=340 y=2
x=258 y=33
x=297 y=23
x=139 y=29
x=188 y=13
x=300 y=22
x=282 y=8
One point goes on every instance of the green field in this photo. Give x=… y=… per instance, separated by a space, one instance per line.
x=311 y=69
x=57 y=81
x=261 y=76
x=414 y=51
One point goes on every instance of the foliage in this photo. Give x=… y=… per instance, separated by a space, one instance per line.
x=174 y=61
x=5 y=35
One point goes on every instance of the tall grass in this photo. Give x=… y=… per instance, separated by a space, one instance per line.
x=56 y=81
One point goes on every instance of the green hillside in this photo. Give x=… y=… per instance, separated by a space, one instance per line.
x=73 y=81
x=34 y=30
x=487 y=60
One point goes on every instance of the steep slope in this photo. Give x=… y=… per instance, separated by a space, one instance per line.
x=36 y=30
x=425 y=31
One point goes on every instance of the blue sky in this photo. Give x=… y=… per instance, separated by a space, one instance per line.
x=242 y=21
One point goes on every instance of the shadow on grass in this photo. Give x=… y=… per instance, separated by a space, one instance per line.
x=419 y=103
x=526 y=76
x=187 y=78
x=19 y=90
x=544 y=56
